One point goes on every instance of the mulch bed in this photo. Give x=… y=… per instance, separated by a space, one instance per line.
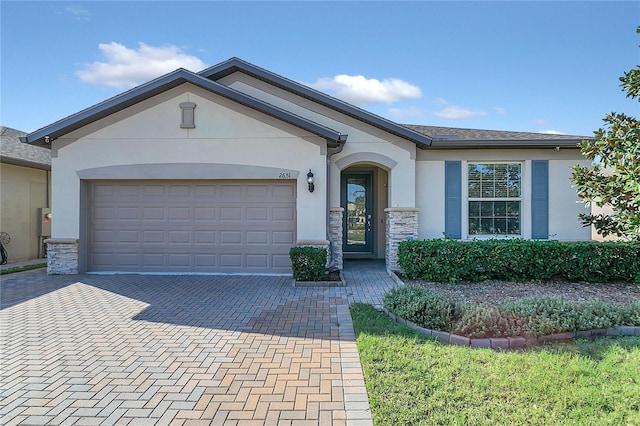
x=494 y=293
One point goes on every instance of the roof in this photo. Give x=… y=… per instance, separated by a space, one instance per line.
x=14 y=152
x=232 y=65
x=423 y=136
x=459 y=138
x=145 y=91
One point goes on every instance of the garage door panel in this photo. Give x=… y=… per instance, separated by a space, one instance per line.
x=205 y=237
x=283 y=237
x=128 y=191
x=257 y=237
x=283 y=213
x=191 y=226
x=206 y=214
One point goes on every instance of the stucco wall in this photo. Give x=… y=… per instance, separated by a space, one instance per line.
x=226 y=133
x=563 y=201
x=22 y=191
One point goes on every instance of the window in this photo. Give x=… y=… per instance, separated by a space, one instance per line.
x=494 y=195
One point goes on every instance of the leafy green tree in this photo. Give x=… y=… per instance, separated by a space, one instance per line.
x=613 y=179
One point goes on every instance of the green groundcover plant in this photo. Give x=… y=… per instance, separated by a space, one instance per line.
x=525 y=317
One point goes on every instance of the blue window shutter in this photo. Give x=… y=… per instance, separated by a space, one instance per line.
x=540 y=199
x=453 y=199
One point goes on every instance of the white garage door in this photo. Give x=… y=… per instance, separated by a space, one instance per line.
x=191 y=226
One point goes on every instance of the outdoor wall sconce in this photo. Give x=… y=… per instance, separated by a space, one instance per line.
x=310 y=181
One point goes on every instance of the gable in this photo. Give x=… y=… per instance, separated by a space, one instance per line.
x=135 y=96
x=216 y=118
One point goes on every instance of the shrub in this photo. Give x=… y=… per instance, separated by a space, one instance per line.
x=595 y=314
x=479 y=321
x=308 y=263
x=545 y=315
x=446 y=260
x=420 y=305
x=631 y=314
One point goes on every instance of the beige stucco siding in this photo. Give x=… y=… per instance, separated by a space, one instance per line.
x=22 y=191
x=563 y=201
x=225 y=134
x=564 y=204
x=430 y=198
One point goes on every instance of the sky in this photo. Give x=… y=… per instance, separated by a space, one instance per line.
x=542 y=66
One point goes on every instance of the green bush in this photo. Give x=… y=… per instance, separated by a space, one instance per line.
x=420 y=305
x=545 y=315
x=308 y=263
x=446 y=260
x=525 y=317
x=479 y=321
x=631 y=314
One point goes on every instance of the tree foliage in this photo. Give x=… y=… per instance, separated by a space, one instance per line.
x=613 y=179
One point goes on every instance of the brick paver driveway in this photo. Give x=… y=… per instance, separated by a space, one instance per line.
x=130 y=349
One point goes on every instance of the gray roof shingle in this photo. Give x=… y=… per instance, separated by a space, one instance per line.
x=453 y=137
x=12 y=151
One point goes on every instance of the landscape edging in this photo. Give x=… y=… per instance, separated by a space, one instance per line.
x=515 y=342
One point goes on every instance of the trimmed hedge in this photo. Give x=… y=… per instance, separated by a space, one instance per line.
x=308 y=263
x=446 y=260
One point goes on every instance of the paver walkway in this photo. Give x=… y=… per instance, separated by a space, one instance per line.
x=183 y=350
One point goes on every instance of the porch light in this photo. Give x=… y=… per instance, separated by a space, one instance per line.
x=310 y=181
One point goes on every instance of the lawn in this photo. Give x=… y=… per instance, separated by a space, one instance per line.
x=22 y=268
x=412 y=380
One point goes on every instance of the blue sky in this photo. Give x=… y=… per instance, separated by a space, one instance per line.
x=541 y=66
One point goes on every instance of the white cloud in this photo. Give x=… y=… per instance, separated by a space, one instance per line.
x=126 y=68
x=80 y=14
x=540 y=122
x=359 y=90
x=404 y=113
x=553 y=132
x=500 y=110
x=457 y=113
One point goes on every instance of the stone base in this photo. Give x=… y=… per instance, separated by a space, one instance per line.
x=335 y=229
x=401 y=225
x=62 y=256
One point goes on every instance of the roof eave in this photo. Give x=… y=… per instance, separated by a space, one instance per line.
x=24 y=163
x=506 y=144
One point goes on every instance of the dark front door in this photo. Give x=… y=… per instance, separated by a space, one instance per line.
x=357 y=203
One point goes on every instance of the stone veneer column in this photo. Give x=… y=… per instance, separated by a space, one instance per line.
x=62 y=256
x=402 y=224
x=335 y=229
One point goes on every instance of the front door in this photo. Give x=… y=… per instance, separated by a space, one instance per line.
x=357 y=203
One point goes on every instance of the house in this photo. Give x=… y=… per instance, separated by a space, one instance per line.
x=224 y=170
x=24 y=195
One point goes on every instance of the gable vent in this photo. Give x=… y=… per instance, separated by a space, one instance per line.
x=188 y=115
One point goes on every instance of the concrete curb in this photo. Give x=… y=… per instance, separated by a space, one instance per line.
x=517 y=342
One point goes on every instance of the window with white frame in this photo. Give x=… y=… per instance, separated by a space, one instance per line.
x=494 y=192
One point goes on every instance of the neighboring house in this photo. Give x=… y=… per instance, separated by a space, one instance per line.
x=24 y=190
x=208 y=172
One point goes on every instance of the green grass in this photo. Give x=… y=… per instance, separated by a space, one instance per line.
x=22 y=268
x=413 y=380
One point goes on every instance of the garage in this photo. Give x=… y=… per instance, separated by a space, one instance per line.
x=212 y=226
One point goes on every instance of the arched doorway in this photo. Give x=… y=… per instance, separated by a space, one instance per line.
x=364 y=196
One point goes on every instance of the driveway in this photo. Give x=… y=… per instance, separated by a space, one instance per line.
x=183 y=350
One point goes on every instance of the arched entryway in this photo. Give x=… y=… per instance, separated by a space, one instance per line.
x=364 y=196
